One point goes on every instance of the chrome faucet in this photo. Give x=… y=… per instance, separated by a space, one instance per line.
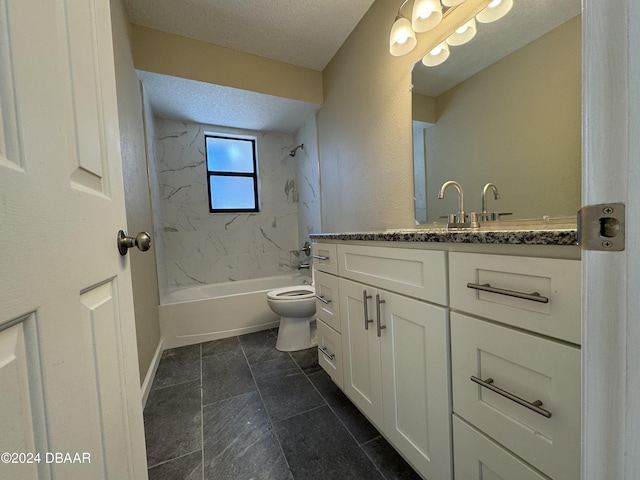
x=483 y=199
x=461 y=216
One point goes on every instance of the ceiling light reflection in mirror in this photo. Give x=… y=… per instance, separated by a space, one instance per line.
x=534 y=108
x=428 y=14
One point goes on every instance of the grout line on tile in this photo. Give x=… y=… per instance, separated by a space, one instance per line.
x=170 y=460
x=371 y=459
x=173 y=385
x=360 y=445
x=273 y=429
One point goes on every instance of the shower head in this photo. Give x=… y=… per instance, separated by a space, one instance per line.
x=293 y=152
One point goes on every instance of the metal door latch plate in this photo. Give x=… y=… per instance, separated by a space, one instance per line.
x=601 y=227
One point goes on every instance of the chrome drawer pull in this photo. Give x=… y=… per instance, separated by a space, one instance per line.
x=321 y=257
x=378 y=302
x=534 y=297
x=366 y=297
x=330 y=356
x=322 y=299
x=535 y=406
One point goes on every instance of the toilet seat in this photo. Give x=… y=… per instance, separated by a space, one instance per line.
x=296 y=292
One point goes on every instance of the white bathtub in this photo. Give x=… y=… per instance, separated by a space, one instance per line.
x=201 y=313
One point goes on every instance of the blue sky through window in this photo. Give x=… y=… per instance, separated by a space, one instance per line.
x=231 y=174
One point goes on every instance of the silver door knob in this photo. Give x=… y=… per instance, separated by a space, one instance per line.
x=142 y=241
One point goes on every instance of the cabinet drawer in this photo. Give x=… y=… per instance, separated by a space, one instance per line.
x=557 y=281
x=327 y=299
x=477 y=457
x=531 y=368
x=325 y=258
x=330 y=352
x=416 y=273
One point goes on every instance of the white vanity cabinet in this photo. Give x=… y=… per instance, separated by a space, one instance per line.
x=515 y=376
x=325 y=269
x=328 y=323
x=395 y=349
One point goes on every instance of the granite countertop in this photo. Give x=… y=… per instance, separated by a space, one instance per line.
x=557 y=231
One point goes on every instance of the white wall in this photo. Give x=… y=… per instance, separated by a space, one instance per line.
x=365 y=131
x=201 y=247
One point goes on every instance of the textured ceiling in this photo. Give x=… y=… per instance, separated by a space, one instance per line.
x=224 y=106
x=306 y=33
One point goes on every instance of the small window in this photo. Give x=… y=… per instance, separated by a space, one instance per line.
x=232 y=174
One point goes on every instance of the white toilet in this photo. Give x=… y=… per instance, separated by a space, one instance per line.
x=296 y=306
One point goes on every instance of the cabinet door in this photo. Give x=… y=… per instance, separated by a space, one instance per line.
x=415 y=385
x=327 y=299
x=330 y=352
x=480 y=458
x=360 y=349
x=520 y=373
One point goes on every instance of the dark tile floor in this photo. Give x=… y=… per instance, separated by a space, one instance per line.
x=239 y=409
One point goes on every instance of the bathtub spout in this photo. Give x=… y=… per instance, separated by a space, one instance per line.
x=303 y=265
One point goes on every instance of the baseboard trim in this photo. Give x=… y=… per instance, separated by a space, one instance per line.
x=151 y=373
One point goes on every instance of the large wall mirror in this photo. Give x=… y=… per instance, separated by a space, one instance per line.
x=505 y=108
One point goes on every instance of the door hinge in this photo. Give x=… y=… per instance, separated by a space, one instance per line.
x=601 y=227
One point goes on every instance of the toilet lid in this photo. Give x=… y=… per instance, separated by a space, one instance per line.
x=292 y=293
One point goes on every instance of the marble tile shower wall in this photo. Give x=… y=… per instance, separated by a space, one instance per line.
x=307 y=180
x=156 y=201
x=202 y=248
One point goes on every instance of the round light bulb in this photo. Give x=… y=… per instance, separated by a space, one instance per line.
x=402 y=38
x=426 y=15
x=463 y=34
x=425 y=10
x=494 y=11
x=436 y=56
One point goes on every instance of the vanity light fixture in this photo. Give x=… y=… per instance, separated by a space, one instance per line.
x=427 y=14
x=437 y=55
x=494 y=11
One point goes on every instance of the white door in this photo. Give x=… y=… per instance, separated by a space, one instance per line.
x=611 y=304
x=69 y=384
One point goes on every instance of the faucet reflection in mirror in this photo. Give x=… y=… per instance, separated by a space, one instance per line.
x=427 y=15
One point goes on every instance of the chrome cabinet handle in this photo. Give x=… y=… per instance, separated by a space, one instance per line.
x=330 y=356
x=321 y=257
x=379 y=325
x=534 y=297
x=535 y=406
x=366 y=297
x=322 y=299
